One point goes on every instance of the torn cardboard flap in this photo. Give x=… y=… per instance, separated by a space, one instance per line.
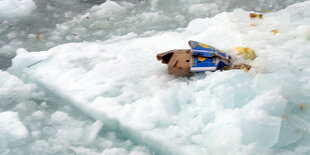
x=178 y=61
x=165 y=57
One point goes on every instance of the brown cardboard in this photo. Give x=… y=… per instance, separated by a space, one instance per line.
x=178 y=61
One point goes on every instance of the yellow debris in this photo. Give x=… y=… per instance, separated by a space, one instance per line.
x=254 y=15
x=302 y=106
x=203 y=45
x=275 y=31
x=225 y=68
x=242 y=66
x=247 y=53
x=38 y=37
x=267 y=11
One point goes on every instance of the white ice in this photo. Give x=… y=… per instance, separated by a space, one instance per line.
x=16 y=8
x=11 y=129
x=120 y=83
x=29 y=124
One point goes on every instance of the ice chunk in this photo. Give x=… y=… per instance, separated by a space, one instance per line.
x=38 y=114
x=59 y=116
x=11 y=86
x=29 y=60
x=40 y=146
x=224 y=134
x=119 y=151
x=16 y=8
x=201 y=10
x=292 y=130
x=108 y=9
x=260 y=128
x=140 y=151
x=69 y=135
x=272 y=102
x=11 y=127
x=53 y=127
x=118 y=82
x=162 y=4
x=94 y=130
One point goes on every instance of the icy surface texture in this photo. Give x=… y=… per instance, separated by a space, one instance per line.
x=26 y=23
x=119 y=82
x=41 y=24
x=11 y=128
x=31 y=125
x=16 y=8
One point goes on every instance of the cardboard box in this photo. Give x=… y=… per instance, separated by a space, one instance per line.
x=199 y=58
x=178 y=61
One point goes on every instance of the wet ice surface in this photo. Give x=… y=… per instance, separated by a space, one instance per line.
x=41 y=24
x=32 y=122
x=118 y=82
x=110 y=96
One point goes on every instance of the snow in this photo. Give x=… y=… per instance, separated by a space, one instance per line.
x=119 y=83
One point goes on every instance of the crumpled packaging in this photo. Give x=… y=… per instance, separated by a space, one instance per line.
x=200 y=58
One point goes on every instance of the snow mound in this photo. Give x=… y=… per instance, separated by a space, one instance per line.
x=119 y=82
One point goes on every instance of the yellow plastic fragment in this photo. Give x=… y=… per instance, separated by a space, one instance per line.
x=302 y=106
x=247 y=53
x=276 y=31
x=203 y=45
x=267 y=11
x=225 y=68
x=38 y=37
